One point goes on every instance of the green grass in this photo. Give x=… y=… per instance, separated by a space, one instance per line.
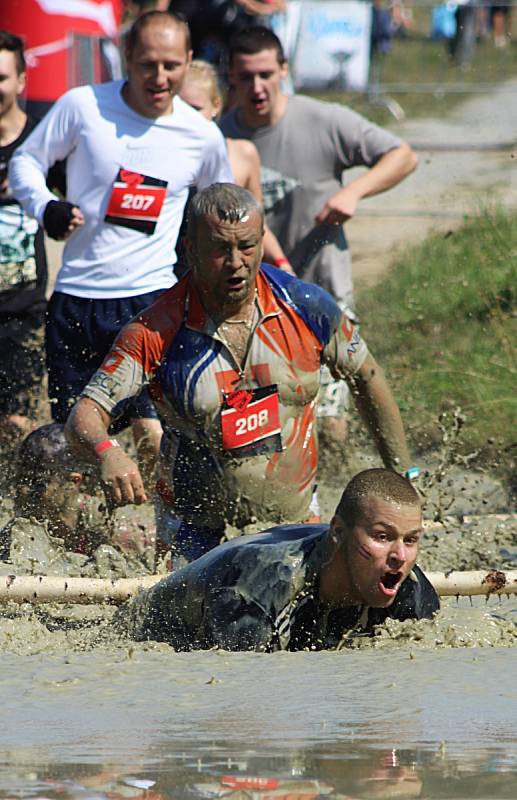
x=443 y=323
x=418 y=60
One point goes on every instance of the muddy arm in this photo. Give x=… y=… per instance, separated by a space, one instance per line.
x=377 y=406
x=86 y=428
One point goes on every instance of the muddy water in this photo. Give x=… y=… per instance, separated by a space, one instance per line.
x=424 y=709
x=367 y=724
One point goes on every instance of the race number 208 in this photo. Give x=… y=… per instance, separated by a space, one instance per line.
x=251 y=422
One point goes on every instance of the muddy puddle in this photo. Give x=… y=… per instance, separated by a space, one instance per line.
x=421 y=709
x=350 y=725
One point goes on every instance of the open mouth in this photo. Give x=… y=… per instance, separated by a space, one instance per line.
x=390 y=582
x=235 y=283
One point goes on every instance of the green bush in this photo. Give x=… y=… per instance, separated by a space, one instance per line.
x=443 y=323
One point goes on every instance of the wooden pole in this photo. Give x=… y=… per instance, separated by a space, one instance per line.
x=49 y=589
x=455 y=584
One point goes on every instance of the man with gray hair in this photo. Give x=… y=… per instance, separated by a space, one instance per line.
x=232 y=357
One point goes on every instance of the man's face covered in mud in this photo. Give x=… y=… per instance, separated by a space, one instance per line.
x=380 y=550
x=225 y=259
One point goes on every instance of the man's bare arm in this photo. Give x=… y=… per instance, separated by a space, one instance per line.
x=87 y=427
x=376 y=404
x=389 y=170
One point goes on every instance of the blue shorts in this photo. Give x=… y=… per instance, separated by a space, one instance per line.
x=78 y=334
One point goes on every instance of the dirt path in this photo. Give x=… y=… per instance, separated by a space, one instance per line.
x=451 y=180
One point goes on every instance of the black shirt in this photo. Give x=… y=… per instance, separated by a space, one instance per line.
x=261 y=593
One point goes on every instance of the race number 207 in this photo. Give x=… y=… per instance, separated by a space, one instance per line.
x=138 y=202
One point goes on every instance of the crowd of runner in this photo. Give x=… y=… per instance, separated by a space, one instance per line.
x=224 y=342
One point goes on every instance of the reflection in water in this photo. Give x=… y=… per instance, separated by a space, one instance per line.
x=346 y=772
x=399 y=720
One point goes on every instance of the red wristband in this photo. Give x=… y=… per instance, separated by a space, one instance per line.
x=105 y=445
x=281 y=262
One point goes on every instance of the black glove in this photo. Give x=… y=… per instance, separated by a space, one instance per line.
x=57 y=217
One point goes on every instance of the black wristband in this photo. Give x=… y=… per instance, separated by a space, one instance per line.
x=56 y=218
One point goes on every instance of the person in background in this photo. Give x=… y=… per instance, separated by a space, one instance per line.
x=132 y=9
x=501 y=20
x=133 y=148
x=201 y=91
x=463 y=43
x=23 y=265
x=213 y=23
x=304 y=146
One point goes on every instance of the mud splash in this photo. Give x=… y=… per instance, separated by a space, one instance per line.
x=455 y=626
x=470 y=525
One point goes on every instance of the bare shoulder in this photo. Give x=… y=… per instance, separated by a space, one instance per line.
x=242 y=148
x=245 y=163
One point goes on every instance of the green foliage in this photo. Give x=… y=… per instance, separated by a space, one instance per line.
x=443 y=323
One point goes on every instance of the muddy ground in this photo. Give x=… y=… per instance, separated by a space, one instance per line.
x=452 y=180
x=469 y=525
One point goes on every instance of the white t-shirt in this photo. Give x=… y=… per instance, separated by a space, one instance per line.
x=96 y=131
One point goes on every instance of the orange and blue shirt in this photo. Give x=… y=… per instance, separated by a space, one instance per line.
x=175 y=349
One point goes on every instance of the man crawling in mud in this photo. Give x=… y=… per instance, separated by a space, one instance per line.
x=298 y=587
x=61 y=522
x=48 y=484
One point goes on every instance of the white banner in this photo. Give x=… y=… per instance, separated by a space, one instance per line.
x=328 y=43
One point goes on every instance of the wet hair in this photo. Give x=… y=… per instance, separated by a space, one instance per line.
x=226 y=201
x=44 y=455
x=202 y=72
x=13 y=43
x=133 y=35
x=381 y=483
x=250 y=41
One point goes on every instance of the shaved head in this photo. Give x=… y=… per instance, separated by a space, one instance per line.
x=156 y=18
x=383 y=484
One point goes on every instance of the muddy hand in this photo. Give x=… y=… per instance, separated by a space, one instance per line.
x=121 y=477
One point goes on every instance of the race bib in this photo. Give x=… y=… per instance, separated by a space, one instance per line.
x=250 y=421
x=136 y=201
